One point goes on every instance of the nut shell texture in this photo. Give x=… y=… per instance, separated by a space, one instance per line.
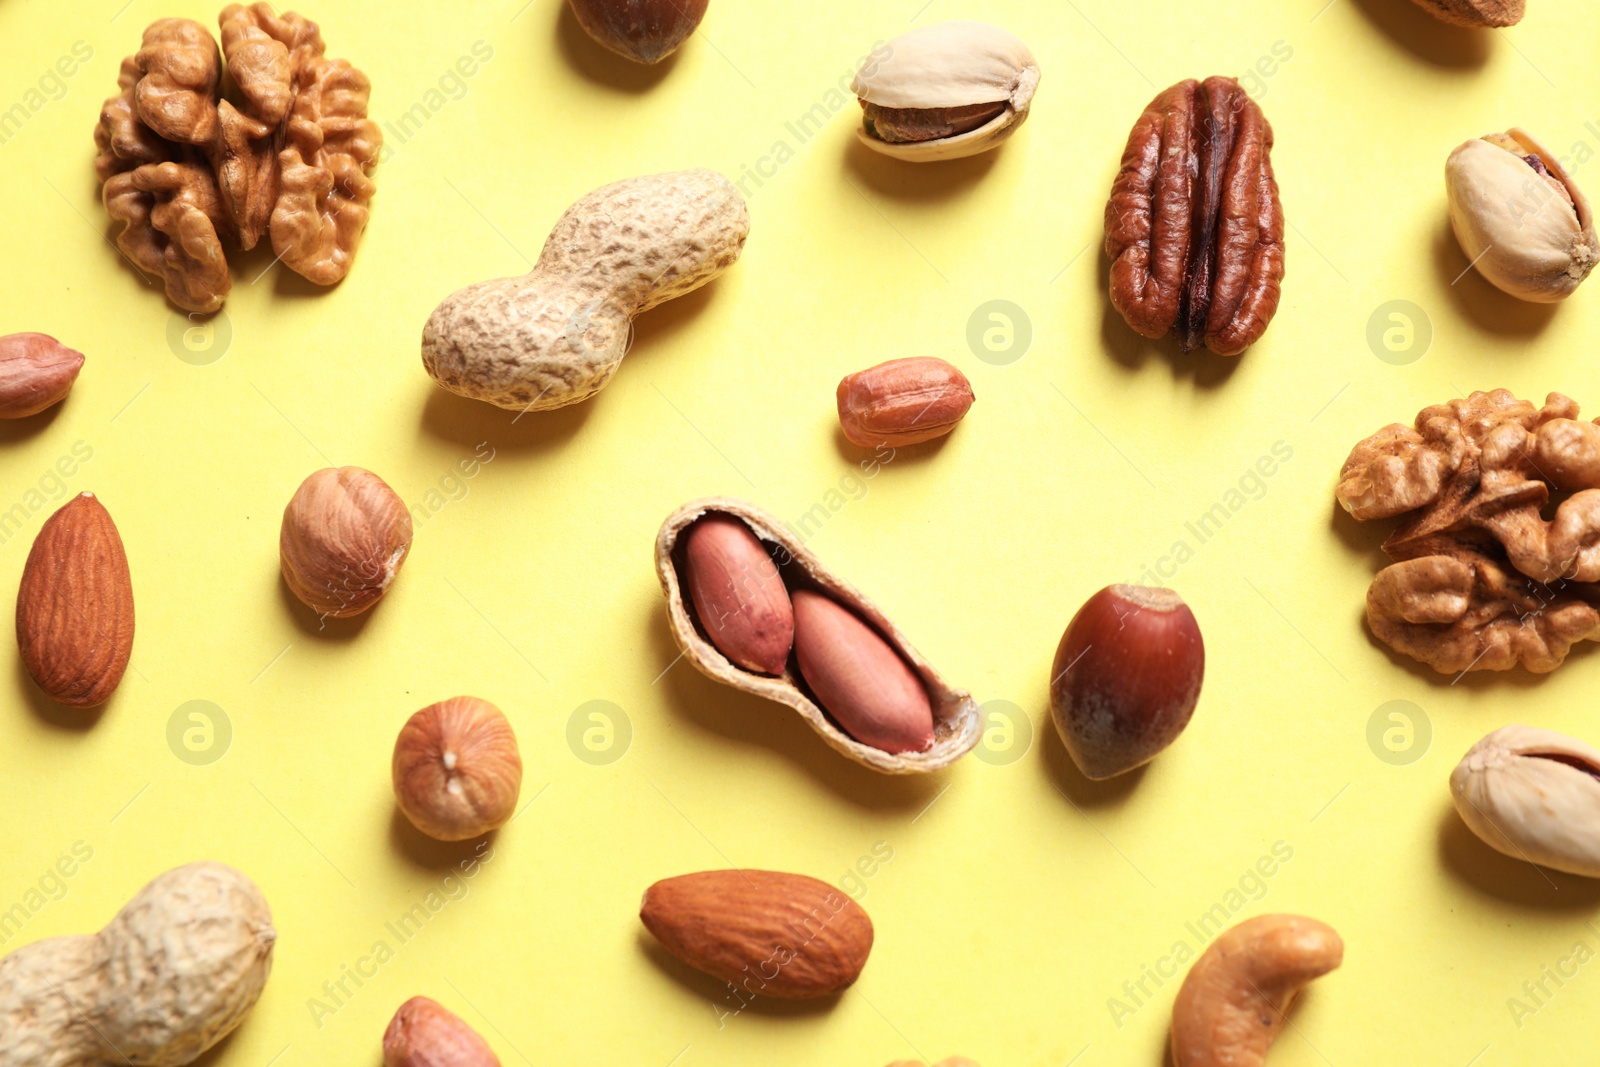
x=556 y=335
x=456 y=769
x=957 y=720
x=1534 y=795
x=345 y=534
x=766 y=933
x=75 y=606
x=175 y=972
x=36 y=372
x=1531 y=234
x=954 y=64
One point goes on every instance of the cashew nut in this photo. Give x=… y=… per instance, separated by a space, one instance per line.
x=1233 y=1001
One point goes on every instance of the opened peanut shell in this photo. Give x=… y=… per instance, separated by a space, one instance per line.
x=957 y=720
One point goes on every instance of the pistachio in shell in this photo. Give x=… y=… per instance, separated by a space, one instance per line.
x=1519 y=216
x=957 y=720
x=945 y=91
x=1534 y=795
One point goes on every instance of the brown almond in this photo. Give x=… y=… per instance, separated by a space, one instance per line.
x=75 y=606
x=1476 y=13
x=764 y=932
x=859 y=679
x=738 y=594
x=36 y=371
x=423 y=1033
x=903 y=402
x=345 y=534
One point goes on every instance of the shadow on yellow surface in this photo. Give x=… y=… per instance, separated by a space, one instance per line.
x=1474 y=297
x=904 y=455
x=715 y=990
x=602 y=66
x=1081 y=792
x=77 y=720
x=424 y=853
x=1510 y=880
x=313 y=625
x=16 y=431
x=920 y=183
x=749 y=720
x=466 y=422
x=1426 y=37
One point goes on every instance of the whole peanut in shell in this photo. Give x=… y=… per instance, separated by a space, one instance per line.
x=859 y=679
x=556 y=335
x=176 y=971
x=903 y=402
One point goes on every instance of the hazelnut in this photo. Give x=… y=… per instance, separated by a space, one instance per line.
x=1519 y=216
x=345 y=534
x=645 y=31
x=1126 y=678
x=456 y=769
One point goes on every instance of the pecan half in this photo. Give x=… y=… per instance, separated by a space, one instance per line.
x=1194 y=227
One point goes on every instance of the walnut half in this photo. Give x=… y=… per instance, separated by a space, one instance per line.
x=283 y=149
x=1487 y=575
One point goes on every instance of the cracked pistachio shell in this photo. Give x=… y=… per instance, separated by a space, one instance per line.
x=949 y=65
x=1529 y=232
x=1534 y=795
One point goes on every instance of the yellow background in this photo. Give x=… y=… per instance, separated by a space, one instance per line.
x=1019 y=899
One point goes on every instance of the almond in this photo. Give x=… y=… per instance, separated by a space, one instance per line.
x=858 y=678
x=767 y=933
x=75 y=606
x=738 y=594
x=345 y=534
x=903 y=402
x=423 y=1033
x=36 y=371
